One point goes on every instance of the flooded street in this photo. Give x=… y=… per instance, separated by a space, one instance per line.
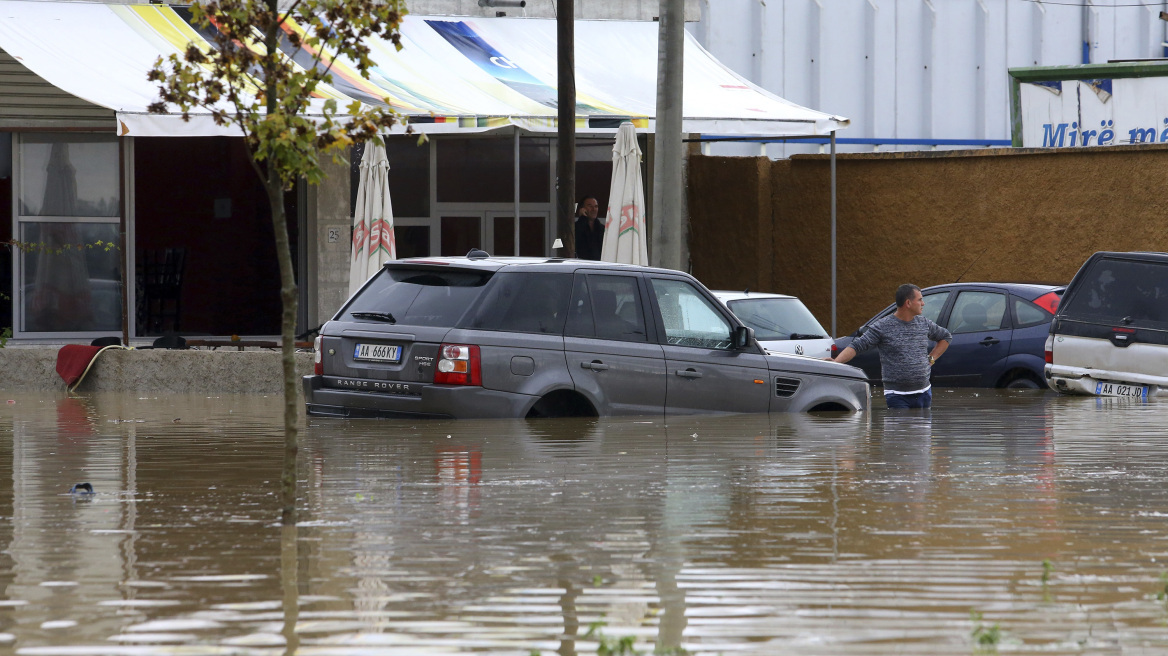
x=1002 y=521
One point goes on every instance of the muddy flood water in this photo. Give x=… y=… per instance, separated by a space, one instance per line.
x=1000 y=522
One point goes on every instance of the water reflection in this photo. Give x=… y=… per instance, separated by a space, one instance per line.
x=870 y=533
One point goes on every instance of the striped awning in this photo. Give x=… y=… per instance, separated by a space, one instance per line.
x=452 y=75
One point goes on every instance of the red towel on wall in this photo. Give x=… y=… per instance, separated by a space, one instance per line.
x=72 y=360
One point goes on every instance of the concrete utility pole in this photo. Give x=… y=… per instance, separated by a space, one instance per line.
x=566 y=142
x=668 y=242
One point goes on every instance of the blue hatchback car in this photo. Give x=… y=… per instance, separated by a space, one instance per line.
x=999 y=334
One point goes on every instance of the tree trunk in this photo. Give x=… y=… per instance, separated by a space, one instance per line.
x=275 y=188
x=287 y=347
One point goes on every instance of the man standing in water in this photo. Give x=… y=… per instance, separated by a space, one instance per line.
x=903 y=341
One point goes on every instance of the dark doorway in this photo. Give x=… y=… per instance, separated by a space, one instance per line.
x=202 y=196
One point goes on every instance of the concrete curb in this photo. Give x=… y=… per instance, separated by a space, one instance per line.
x=153 y=370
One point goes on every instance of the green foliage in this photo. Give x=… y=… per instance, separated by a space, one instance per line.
x=1162 y=591
x=4 y=335
x=42 y=247
x=249 y=78
x=986 y=637
x=1047 y=570
x=606 y=646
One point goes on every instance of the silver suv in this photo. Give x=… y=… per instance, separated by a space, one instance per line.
x=524 y=337
x=1110 y=334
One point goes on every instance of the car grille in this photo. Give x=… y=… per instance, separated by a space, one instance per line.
x=786 y=387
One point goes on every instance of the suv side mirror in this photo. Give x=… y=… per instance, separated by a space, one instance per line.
x=742 y=337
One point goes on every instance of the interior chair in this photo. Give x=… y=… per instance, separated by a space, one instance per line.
x=160 y=279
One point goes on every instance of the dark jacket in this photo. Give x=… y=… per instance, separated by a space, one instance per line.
x=589 y=241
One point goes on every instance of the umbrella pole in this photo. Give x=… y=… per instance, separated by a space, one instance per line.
x=833 y=261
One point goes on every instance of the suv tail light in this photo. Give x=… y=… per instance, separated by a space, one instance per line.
x=458 y=364
x=317 y=356
x=1048 y=350
x=835 y=350
x=1048 y=301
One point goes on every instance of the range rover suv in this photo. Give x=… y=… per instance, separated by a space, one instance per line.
x=524 y=337
x=1110 y=334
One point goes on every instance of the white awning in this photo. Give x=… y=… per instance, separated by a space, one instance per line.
x=452 y=74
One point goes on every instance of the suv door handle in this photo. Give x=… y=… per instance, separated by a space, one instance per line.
x=989 y=341
x=689 y=373
x=595 y=365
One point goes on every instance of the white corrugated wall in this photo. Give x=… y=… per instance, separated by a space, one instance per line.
x=915 y=69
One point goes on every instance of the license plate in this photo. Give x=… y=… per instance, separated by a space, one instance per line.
x=1128 y=391
x=377 y=353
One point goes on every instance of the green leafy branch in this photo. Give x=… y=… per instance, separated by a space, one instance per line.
x=248 y=81
x=41 y=247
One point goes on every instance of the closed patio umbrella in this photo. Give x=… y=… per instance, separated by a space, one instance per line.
x=373 y=241
x=624 y=224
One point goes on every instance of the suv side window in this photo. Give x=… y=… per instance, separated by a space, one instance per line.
x=1115 y=289
x=976 y=312
x=606 y=307
x=688 y=318
x=525 y=303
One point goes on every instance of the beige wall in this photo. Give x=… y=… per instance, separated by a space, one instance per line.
x=926 y=218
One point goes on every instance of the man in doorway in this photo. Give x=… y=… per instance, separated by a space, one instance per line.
x=589 y=229
x=903 y=341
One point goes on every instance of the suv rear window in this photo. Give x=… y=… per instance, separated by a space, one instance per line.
x=1114 y=289
x=418 y=297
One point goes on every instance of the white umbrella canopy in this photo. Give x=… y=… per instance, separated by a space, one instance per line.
x=624 y=224
x=373 y=241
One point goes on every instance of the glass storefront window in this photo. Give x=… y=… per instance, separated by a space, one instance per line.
x=70 y=284
x=483 y=170
x=68 y=175
x=68 y=200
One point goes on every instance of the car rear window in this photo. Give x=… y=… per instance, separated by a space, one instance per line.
x=418 y=297
x=1115 y=290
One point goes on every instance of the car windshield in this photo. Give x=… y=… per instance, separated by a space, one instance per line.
x=777 y=318
x=418 y=297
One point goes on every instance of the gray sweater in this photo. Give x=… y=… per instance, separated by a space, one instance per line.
x=904 y=350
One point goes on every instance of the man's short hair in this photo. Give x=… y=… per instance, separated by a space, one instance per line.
x=905 y=292
x=584 y=199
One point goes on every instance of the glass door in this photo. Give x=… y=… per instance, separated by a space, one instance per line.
x=532 y=233
x=459 y=233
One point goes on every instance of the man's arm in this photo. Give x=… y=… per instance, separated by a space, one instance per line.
x=938 y=350
x=845 y=355
x=942 y=337
x=870 y=338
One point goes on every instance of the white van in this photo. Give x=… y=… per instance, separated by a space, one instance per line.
x=1110 y=334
